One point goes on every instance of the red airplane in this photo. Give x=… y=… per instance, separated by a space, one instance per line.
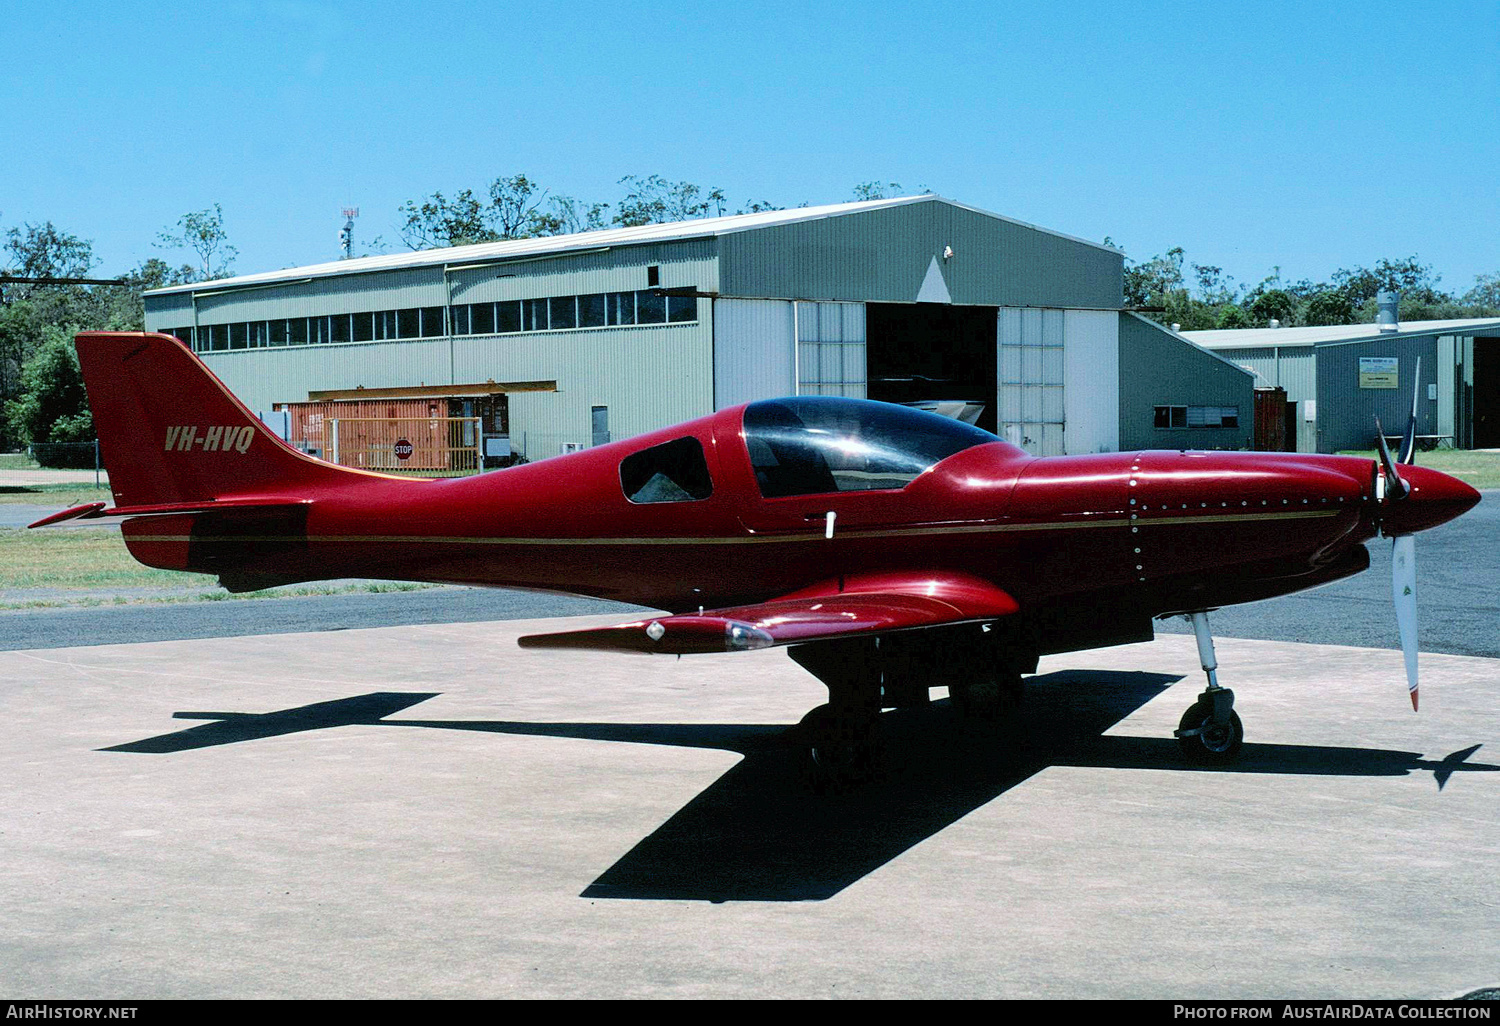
x=893 y=550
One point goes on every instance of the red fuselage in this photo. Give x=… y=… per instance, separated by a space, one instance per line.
x=1148 y=532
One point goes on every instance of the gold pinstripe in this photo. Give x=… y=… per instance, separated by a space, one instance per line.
x=756 y=539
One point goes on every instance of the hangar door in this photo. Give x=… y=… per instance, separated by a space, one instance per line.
x=1059 y=380
x=923 y=351
x=1485 y=398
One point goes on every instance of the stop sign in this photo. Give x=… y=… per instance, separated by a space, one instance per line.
x=403 y=449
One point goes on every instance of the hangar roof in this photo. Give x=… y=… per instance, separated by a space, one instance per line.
x=513 y=249
x=1265 y=338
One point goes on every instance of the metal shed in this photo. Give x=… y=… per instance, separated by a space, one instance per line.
x=1344 y=376
x=910 y=299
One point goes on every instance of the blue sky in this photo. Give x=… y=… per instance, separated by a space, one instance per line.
x=1309 y=135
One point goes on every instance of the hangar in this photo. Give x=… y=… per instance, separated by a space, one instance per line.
x=562 y=342
x=1339 y=378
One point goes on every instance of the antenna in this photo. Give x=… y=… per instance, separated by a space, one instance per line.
x=346 y=233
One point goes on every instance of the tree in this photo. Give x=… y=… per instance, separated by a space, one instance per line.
x=1410 y=277
x=1486 y=292
x=570 y=216
x=514 y=214
x=1147 y=284
x=654 y=200
x=51 y=405
x=514 y=211
x=1330 y=306
x=876 y=190
x=439 y=222
x=46 y=251
x=1272 y=304
x=1231 y=316
x=202 y=231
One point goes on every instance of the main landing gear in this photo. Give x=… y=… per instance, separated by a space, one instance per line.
x=1210 y=730
x=842 y=736
x=982 y=670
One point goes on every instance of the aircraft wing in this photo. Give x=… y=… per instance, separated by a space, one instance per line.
x=872 y=604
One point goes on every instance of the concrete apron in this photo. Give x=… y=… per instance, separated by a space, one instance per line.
x=575 y=824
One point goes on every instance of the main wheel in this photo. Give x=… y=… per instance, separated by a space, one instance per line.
x=842 y=749
x=1213 y=743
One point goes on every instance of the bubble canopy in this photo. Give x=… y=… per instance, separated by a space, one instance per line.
x=817 y=444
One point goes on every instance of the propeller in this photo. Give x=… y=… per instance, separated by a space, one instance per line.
x=1392 y=488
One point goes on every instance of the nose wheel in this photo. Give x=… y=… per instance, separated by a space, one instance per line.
x=1210 y=731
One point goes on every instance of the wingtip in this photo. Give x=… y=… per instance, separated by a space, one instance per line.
x=1413 y=699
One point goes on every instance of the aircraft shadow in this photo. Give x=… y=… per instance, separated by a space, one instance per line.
x=232 y=727
x=762 y=833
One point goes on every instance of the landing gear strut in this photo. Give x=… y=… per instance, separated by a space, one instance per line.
x=1210 y=730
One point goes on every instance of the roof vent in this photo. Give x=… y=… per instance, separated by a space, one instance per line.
x=1388 y=304
x=1275 y=323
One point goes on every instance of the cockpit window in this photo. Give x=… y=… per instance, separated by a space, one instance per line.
x=811 y=445
x=674 y=471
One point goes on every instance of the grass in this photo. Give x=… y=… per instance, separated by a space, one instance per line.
x=17 y=461
x=94 y=563
x=60 y=495
x=1480 y=469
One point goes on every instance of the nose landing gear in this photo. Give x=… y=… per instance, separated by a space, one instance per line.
x=1210 y=730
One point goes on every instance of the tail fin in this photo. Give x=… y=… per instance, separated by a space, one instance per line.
x=170 y=432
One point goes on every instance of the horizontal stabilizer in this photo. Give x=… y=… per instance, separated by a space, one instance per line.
x=871 y=605
x=99 y=511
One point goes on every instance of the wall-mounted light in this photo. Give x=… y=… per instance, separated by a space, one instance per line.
x=947 y=253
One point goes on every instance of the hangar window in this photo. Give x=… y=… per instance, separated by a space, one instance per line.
x=1197 y=416
x=407 y=324
x=507 y=317
x=621 y=308
x=564 y=312
x=650 y=308
x=552 y=313
x=810 y=445
x=533 y=315
x=674 y=471
x=591 y=311
x=482 y=318
x=682 y=308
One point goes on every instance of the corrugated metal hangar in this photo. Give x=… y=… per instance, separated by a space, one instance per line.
x=569 y=341
x=1339 y=378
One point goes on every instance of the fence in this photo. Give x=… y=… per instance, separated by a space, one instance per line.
x=67 y=456
x=426 y=446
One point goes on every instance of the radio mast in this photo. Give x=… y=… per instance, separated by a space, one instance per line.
x=346 y=233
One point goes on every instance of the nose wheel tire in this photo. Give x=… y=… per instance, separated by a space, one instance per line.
x=1205 y=741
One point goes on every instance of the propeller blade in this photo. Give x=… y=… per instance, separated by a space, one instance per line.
x=1395 y=488
x=1404 y=592
x=1409 y=440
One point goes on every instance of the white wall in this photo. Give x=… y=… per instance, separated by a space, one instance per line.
x=1091 y=368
